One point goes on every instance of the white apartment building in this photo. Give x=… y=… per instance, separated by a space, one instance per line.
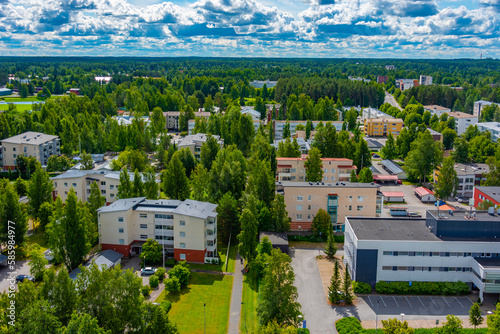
x=334 y=169
x=469 y=176
x=479 y=106
x=425 y=80
x=186 y=229
x=437 y=110
x=81 y=180
x=195 y=142
x=280 y=125
x=491 y=127
x=444 y=247
x=28 y=144
x=462 y=121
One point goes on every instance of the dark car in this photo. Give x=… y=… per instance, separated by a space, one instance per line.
x=21 y=278
x=461 y=199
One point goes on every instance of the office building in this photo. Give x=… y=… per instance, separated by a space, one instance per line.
x=339 y=199
x=187 y=230
x=447 y=246
x=28 y=144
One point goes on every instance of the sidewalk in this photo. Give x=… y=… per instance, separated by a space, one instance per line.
x=236 y=297
x=421 y=323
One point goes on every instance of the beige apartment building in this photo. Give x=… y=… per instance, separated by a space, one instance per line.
x=381 y=127
x=81 y=180
x=28 y=144
x=334 y=169
x=195 y=142
x=186 y=229
x=339 y=199
x=172 y=118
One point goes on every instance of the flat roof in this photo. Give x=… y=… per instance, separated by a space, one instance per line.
x=411 y=229
x=493 y=192
x=471 y=169
x=343 y=184
x=385 y=177
x=489 y=125
x=393 y=193
x=392 y=166
x=459 y=114
x=488 y=263
x=30 y=137
x=276 y=238
x=464 y=215
x=122 y=204
x=435 y=107
x=196 y=209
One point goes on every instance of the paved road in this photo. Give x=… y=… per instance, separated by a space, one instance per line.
x=236 y=297
x=22 y=268
x=390 y=99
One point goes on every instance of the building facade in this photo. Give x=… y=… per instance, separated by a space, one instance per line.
x=444 y=247
x=81 y=181
x=436 y=110
x=478 y=107
x=492 y=127
x=381 y=127
x=404 y=84
x=187 y=230
x=425 y=80
x=334 y=169
x=339 y=199
x=195 y=142
x=483 y=193
x=278 y=127
x=29 y=144
x=462 y=121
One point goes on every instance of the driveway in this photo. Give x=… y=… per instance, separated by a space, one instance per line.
x=414 y=204
x=22 y=268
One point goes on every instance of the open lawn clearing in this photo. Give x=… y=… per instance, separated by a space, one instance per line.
x=187 y=307
x=249 y=322
x=222 y=266
x=19 y=107
x=39 y=239
x=18 y=99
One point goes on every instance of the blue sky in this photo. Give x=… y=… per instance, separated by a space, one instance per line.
x=251 y=28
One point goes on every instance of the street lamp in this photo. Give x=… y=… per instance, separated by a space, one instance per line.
x=204 y=318
x=402 y=317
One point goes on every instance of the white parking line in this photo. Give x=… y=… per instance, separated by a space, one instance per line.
x=420 y=301
x=370 y=301
x=471 y=302
x=433 y=301
x=446 y=302
x=408 y=302
x=395 y=301
x=458 y=302
x=383 y=301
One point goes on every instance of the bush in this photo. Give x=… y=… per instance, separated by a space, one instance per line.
x=145 y=290
x=172 y=285
x=160 y=272
x=348 y=325
x=167 y=305
x=154 y=281
x=339 y=239
x=423 y=288
x=361 y=287
x=170 y=262
x=182 y=272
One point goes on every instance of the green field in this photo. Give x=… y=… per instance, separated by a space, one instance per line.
x=220 y=267
x=19 y=107
x=18 y=99
x=187 y=307
x=249 y=321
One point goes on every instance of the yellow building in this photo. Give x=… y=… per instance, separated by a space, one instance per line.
x=381 y=127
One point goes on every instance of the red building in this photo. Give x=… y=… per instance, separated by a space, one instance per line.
x=482 y=193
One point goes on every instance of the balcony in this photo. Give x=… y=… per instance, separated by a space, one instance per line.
x=211 y=235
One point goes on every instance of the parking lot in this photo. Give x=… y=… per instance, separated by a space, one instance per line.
x=418 y=305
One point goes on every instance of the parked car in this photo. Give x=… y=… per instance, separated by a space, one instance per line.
x=400 y=182
x=461 y=199
x=147 y=271
x=21 y=278
x=414 y=214
x=376 y=156
x=439 y=203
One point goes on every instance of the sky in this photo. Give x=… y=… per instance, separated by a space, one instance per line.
x=251 y=28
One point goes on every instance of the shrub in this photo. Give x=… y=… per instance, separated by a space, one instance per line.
x=172 y=285
x=170 y=262
x=160 y=272
x=145 y=290
x=423 y=288
x=167 y=305
x=361 y=287
x=349 y=325
x=215 y=261
x=182 y=272
x=154 y=281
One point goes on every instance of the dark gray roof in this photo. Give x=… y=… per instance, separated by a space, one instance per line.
x=488 y=263
x=374 y=143
x=464 y=215
x=392 y=166
x=410 y=229
x=198 y=138
x=122 y=204
x=107 y=258
x=493 y=192
x=342 y=184
x=276 y=238
x=196 y=209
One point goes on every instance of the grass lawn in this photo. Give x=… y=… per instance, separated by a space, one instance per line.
x=220 y=267
x=19 y=107
x=39 y=239
x=187 y=307
x=18 y=99
x=249 y=321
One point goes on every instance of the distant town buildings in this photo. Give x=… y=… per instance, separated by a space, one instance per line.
x=404 y=84
x=280 y=125
x=358 y=79
x=103 y=80
x=304 y=145
x=382 y=79
x=28 y=144
x=462 y=121
x=491 y=127
x=425 y=80
x=390 y=67
x=260 y=84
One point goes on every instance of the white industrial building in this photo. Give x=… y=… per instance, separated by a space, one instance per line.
x=444 y=247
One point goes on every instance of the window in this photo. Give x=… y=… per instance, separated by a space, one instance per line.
x=121 y=241
x=308 y=217
x=143 y=225
x=360 y=208
x=103 y=192
x=66 y=184
x=333 y=178
x=360 y=198
x=350 y=198
x=103 y=183
x=143 y=215
x=350 y=207
x=183 y=245
x=299 y=207
x=182 y=234
x=144 y=236
x=333 y=171
x=309 y=207
x=299 y=217
x=183 y=257
x=120 y=230
x=55 y=184
x=387 y=253
x=112 y=187
x=112 y=195
x=120 y=219
x=386 y=268
x=299 y=198
x=325 y=170
x=309 y=198
x=293 y=170
x=13 y=149
x=74 y=185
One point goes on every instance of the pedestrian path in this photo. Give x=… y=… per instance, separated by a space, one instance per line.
x=236 y=297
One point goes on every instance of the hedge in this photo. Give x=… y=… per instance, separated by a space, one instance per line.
x=349 y=325
x=361 y=287
x=423 y=288
x=433 y=331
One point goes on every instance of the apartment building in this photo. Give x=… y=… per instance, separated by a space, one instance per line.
x=373 y=113
x=479 y=106
x=425 y=80
x=382 y=79
x=381 y=127
x=195 y=142
x=81 y=180
x=462 y=121
x=469 y=176
x=492 y=127
x=304 y=145
x=172 y=118
x=404 y=84
x=293 y=169
x=436 y=110
x=187 y=230
x=28 y=144
x=339 y=199
x=278 y=127
x=447 y=246
x=483 y=193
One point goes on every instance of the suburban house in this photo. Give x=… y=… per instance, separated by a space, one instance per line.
x=81 y=180
x=382 y=126
x=447 y=246
x=28 y=144
x=462 y=121
x=187 y=230
x=339 y=199
x=469 y=176
x=195 y=142
x=334 y=169
x=483 y=193
x=492 y=127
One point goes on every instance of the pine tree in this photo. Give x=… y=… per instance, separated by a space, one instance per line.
x=334 y=288
x=13 y=216
x=314 y=166
x=151 y=187
x=137 y=186
x=353 y=178
x=248 y=235
x=365 y=176
x=330 y=248
x=308 y=129
x=74 y=229
x=286 y=130
x=389 y=151
x=175 y=183
x=125 y=187
x=347 y=286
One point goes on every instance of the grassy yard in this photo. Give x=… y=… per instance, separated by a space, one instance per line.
x=249 y=321
x=19 y=107
x=18 y=99
x=220 y=267
x=39 y=239
x=187 y=308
